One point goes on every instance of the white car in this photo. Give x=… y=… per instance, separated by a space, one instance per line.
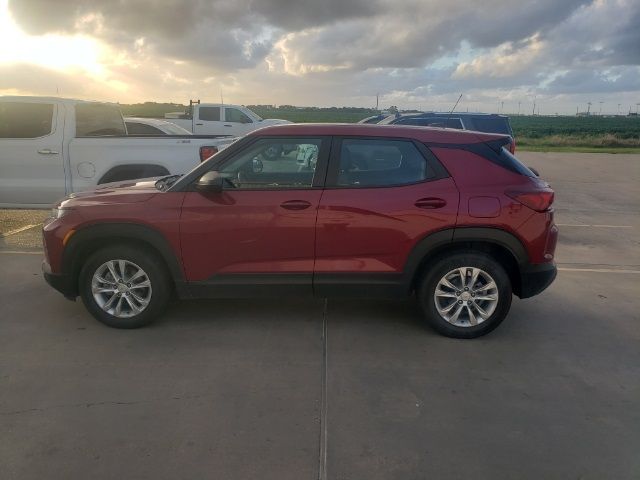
x=152 y=126
x=220 y=119
x=51 y=147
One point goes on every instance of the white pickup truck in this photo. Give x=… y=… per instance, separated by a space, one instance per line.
x=219 y=119
x=50 y=147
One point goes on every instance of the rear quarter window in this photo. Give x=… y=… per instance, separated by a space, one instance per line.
x=25 y=120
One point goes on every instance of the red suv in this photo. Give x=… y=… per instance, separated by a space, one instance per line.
x=324 y=210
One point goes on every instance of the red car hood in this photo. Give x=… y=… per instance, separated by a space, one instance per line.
x=129 y=191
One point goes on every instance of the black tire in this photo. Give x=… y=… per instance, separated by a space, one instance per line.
x=439 y=268
x=153 y=266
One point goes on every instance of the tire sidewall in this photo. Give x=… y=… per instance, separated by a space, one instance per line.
x=153 y=267
x=444 y=265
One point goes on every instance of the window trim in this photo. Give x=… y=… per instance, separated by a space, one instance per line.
x=334 y=163
x=319 y=176
x=54 y=121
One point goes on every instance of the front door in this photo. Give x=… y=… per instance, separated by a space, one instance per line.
x=260 y=230
x=236 y=122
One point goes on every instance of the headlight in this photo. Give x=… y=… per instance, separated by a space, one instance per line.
x=59 y=212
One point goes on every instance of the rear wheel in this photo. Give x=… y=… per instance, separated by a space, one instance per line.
x=465 y=295
x=124 y=286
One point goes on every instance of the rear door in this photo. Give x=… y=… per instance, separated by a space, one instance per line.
x=381 y=197
x=207 y=120
x=31 y=157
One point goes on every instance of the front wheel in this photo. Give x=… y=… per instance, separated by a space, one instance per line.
x=465 y=295
x=124 y=286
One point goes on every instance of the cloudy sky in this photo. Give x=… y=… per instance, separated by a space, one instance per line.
x=414 y=53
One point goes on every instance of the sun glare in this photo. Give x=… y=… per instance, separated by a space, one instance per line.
x=53 y=51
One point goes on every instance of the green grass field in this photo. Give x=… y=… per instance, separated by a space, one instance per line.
x=536 y=133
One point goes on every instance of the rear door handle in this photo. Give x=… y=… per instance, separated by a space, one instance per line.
x=199 y=124
x=47 y=151
x=227 y=125
x=295 y=204
x=430 y=203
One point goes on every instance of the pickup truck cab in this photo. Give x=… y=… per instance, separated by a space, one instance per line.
x=220 y=119
x=51 y=147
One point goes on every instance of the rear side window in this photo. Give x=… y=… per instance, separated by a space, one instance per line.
x=209 y=114
x=380 y=163
x=25 y=120
x=491 y=125
x=98 y=120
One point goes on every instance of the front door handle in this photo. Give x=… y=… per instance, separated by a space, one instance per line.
x=295 y=204
x=430 y=203
x=227 y=125
x=199 y=124
x=47 y=151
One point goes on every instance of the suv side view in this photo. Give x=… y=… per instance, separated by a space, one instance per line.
x=341 y=210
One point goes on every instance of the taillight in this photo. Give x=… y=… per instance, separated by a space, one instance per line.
x=538 y=200
x=512 y=146
x=207 y=152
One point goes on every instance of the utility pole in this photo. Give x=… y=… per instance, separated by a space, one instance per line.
x=589 y=108
x=534 y=106
x=601 y=108
x=377 y=99
x=501 y=107
x=619 y=105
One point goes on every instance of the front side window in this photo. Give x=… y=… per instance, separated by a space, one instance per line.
x=209 y=114
x=25 y=120
x=236 y=116
x=273 y=164
x=98 y=120
x=379 y=163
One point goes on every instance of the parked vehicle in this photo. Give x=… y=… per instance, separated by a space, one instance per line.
x=353 y=210
x=50 y=147
x=152 y=126
x=220 y=119
x=479 y=122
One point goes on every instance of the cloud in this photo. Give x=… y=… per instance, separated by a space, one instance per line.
x=321 y=52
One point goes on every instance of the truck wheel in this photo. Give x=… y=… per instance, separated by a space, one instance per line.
x=124 y=286
x=465 y=295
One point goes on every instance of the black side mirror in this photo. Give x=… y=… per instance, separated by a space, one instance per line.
x=210 y=182
x=535 y=172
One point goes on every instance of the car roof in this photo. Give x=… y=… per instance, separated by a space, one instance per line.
x=423 y=134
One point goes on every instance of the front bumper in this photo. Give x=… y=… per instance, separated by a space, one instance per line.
x=62 y=283
x=534 y=279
